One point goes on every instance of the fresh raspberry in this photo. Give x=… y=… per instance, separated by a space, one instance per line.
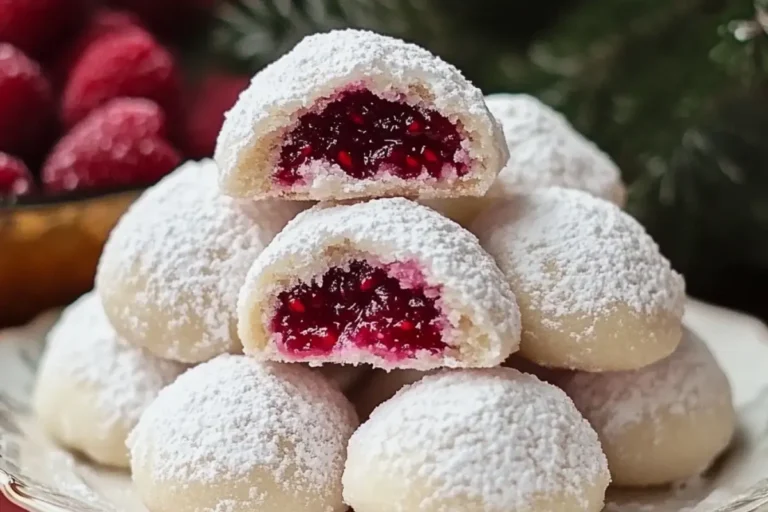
x=26 y=104
x=121 y=143
x=121 y=65
x=104 y=22
x=36 y=26
x=15 y=178
x=215 y=95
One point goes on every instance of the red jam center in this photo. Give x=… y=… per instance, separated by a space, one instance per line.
x=364 y=134
x=361 y=306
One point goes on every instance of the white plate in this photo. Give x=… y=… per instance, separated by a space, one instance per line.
x=42 y=478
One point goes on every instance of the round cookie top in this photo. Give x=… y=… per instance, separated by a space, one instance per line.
x=575 y=254
x=524 y=117
x=125 y=379
x=233 y=416
x=497 y=436
x=545 y=151
x=173 y=266
x=396 y=231
x=324 y=64
x=688 y=380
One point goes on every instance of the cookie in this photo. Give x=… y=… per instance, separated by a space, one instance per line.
x=173 y=266
x=387 y=282
x=594 y=292
x=92 y=386
x=491 y=440
x=240 y=435
x=544 y=151
x=663 y=423
x=354 y=114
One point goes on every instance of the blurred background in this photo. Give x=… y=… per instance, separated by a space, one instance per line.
x=674 y=90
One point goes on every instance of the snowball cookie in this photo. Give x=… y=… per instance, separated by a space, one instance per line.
x=387 y=282
x=92 y=387
x=594 y=291
x=238 y=435
x=545 y=151
x=353 y=114
x=492 y=440
x=663 y=423
x=172 y=268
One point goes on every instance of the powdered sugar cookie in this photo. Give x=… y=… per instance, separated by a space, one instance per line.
x=381 y=385
x=387 y=282
x=349 y=114
x=172 y=268
x=492 y=440
x=663 y=423
x=239 y=435
x=92 y=387
x=595 y=293
x=544 y=151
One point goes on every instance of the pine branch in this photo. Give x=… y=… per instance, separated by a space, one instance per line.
x=478 y=41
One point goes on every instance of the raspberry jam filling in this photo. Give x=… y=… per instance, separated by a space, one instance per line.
x=362 y=306
x=365 y=134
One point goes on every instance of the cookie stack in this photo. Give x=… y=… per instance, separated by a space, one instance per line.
x=280 y=306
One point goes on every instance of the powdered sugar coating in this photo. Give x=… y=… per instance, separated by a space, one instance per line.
x=85 y=356
x=575 y=254
x=493 y=440
x=319 y=68
x=663 y=423
x=173 y=266
x=273 y=435
x=479 y=309
x=688 y=380
x=545 y=151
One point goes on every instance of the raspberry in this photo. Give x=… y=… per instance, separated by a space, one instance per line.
x=213 y=97
x=26 y=103
x=105 y=22
x=124 y=64
x=36 y=26
x=119 y=144
x=362 y=132
x=15 y=178
x=360 y=304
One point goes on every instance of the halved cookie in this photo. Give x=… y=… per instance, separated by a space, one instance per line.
x=350 y=114
x=387 y=282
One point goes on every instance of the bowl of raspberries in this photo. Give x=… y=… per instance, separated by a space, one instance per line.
x=95 y=105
